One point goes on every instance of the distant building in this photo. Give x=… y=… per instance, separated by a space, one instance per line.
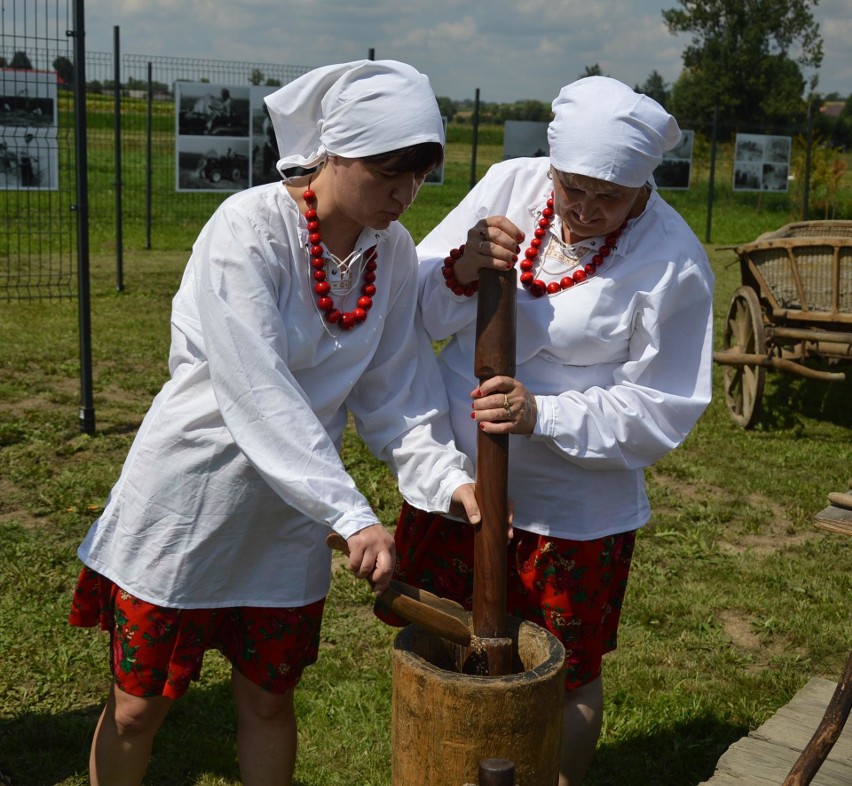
x=832 y=108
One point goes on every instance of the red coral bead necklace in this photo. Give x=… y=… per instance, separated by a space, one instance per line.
x=536 y=286
x=345 y=319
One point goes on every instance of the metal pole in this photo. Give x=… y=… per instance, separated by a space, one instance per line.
x=712 y=181
x=119 y=180
x=149 y=159
x=809 y=145
x=475 y=139
x=87 y=409
x=371 y=55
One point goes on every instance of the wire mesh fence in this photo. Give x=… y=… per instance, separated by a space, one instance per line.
x=160 y=196
x=37 y=155
x=133 y=141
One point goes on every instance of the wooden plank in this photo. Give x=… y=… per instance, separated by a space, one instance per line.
x=835 y=519
x=766 y=755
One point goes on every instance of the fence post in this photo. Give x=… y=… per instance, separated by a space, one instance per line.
x=87 y=408
x=712 y=182
x=119 y=181
x=149 y=157
x=809 y=144
x=475 y=140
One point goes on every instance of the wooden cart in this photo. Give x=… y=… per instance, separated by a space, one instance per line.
x=794 y=305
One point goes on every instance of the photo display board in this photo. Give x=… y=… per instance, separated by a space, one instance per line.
x=762 y=162
x=675 y=169
x=224 y=137
x=525 y=139
x=29 y=120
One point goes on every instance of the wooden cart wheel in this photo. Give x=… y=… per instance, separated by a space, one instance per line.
x=744 y=333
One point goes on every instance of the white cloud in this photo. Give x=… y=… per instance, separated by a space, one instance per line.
x=509 y=50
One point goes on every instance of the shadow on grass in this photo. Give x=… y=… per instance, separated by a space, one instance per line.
x=197 y=742
x=787 y=398
x=685 y=756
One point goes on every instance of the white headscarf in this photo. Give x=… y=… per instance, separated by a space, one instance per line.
x=353 y=110
x=602 y=129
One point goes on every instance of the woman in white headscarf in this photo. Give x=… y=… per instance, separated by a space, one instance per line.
x=614 y=342
x=298 y=308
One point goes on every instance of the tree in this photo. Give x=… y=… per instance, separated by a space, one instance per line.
x=655 y=87
x=64 y=70
x=592 y=70
x=21 y=62
x=740 y=59
x=256 y=77
x=446 y=107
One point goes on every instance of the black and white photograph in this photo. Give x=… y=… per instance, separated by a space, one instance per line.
x=264 y=146
x=212 y=163
x=748 y=176
x=29 y=159
x=675 y=169
x=525 y=139
x=28 y=131
x=28 y=99
x=204 y=109
x=213 y=140
x=762 y=162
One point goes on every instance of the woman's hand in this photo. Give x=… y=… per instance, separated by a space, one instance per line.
x=372 y=556
x=491 y=243
x=502 y=405
x=464 y=504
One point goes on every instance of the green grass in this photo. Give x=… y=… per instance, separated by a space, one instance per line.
x=735 y=600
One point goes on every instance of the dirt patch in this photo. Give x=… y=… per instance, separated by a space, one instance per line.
x=778 y=532
x=739 y=628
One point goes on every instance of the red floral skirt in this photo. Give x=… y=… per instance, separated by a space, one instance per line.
x=158 y=651
x=573 y=588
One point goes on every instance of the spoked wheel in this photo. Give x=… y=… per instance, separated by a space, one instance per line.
x=744 y=334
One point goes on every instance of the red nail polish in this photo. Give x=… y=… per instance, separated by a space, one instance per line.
x=477 y=392
x=473 y=415
x=482 y=426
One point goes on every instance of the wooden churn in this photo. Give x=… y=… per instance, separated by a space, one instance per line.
x=454 y=706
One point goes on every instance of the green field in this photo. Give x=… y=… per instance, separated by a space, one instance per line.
x=735 y=601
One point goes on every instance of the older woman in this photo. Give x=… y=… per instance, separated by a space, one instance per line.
x=614 y=342
x=297 y=308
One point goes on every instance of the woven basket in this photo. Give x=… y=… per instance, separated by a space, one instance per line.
x=799 y=264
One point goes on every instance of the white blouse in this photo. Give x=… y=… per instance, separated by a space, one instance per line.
x=620 y=365
x=235 y=478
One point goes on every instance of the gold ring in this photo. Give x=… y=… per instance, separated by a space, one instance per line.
x=480 y=248
x=506 y=405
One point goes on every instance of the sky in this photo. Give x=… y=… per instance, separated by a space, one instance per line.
x=509 y=50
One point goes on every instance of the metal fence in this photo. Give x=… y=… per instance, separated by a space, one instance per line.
x=153 y=204
x=37 y=154
x=132 y=164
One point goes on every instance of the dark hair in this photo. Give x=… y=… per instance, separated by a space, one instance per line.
x=416 y=158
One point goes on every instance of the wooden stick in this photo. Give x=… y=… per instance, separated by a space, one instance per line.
x=437 y=615
x=827 y=733
x=495 y=356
